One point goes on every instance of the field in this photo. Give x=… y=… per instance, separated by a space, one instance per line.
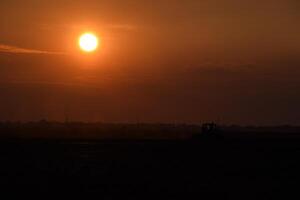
x=226 y=169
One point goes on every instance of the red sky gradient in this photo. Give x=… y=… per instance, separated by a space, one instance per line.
x=164 y=61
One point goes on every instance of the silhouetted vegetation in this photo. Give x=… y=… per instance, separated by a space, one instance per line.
x=80 y=130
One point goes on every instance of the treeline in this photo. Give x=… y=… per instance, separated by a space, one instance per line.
x=80 y=130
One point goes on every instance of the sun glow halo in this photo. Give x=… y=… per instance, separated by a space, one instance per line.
x=88 y=42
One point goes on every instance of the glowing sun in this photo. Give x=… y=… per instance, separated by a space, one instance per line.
x=88 y=42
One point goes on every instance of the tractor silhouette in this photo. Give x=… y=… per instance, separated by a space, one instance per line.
x=209 y=131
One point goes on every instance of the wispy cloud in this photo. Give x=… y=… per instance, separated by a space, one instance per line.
x=18 y=50
x=127 y=27
x=49 y=83
x=101 y=26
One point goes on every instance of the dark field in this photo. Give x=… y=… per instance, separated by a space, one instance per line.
x=227 y=168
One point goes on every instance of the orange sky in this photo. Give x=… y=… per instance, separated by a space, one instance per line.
x=166 y=61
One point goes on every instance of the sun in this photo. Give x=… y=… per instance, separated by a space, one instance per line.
x=88 y=42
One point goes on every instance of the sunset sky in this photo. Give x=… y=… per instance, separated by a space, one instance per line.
x=235 y=61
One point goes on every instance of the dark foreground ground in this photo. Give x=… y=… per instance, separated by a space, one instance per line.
x=225 y=169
